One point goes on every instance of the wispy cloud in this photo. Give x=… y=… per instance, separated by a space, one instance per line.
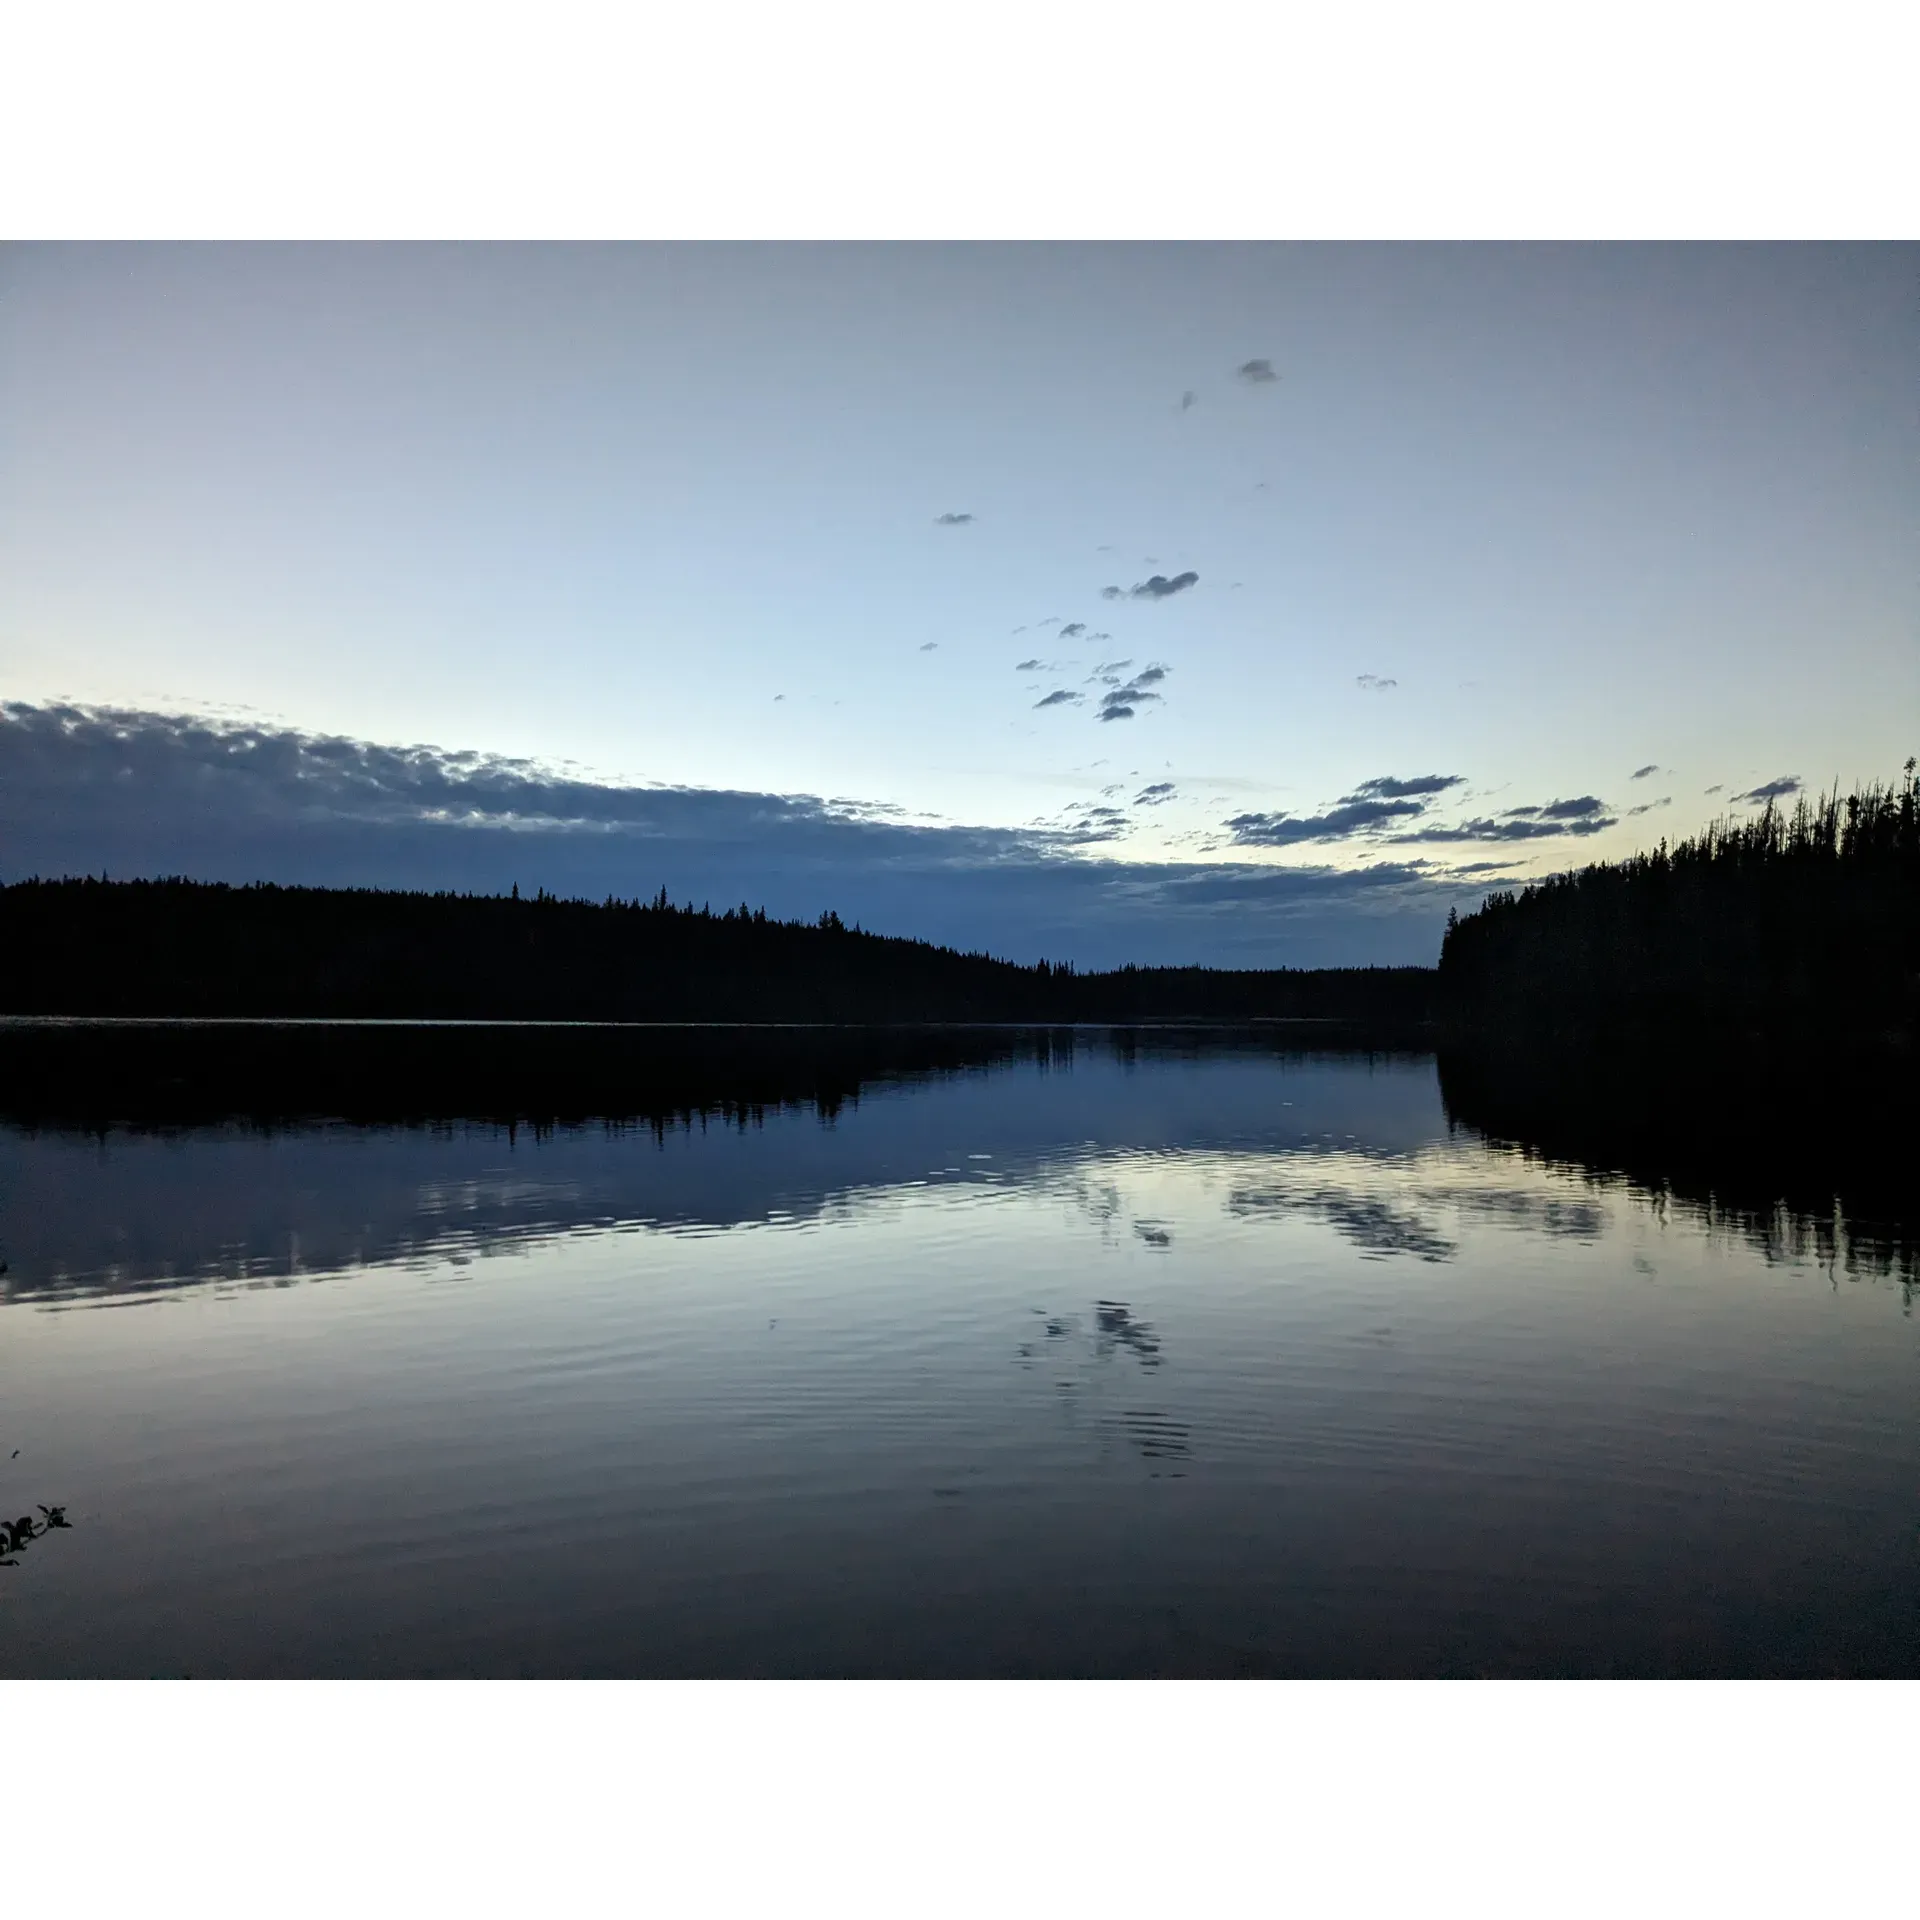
x=1773 y=790
x=1666 y=800
x=1336 y=823
x=953 y=520
x=929 y=646
x=1059 y=697
x=1386 y=787
x=1156 y=795
x=1256 y=373
x=1157 y=587
x=1371 y=806
x=1189 y=399
x=1073 y=630
x=1509 y=826
x=1642 y=773
x=1372 y=683
x=1030 y=666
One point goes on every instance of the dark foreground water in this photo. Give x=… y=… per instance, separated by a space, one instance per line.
x=1078 y=1355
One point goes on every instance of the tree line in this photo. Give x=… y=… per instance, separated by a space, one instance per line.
x=1802 y=923
x=176 y=948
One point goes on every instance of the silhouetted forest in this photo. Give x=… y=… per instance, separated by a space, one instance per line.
x=185 y=949
x=1800 y=927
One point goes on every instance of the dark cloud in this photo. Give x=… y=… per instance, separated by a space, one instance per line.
x=1641 y=773
x=1713 y=789
x=1157 y=587
x=953 y=519
x=1372 y=683
x=1126 y=699
x=1665 y=800
x=146 y=794
x=1073 y=630
x=1030 y=666
x=1373 y=804
x=1156 y=795
x=1256 y=373
x=1189 y=399
x=1337 y=823
x=1059 y=697
x=1773 y=790
x=1513 y=825
x=1386 y=787
x=1581 y=809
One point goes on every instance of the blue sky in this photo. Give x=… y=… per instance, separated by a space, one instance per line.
x=1523 y=555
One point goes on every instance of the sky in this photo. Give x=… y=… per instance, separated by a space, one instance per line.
x=1245 y=604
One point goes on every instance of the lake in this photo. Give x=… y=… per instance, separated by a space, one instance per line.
x=1081 y=1353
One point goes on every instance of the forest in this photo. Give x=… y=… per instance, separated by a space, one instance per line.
x=1795 y=927
x=188 y=949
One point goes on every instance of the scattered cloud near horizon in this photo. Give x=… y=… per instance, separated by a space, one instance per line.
x=1385 y=802
x=1773 y=790
x=953 y=520
x=1642 y=773
x=1372 y=683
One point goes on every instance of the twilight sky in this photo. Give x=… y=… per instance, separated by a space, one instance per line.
x=1249 y=604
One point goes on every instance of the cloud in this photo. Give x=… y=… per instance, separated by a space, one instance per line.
x=1713 y=789
x=1256 y=373
x=1156 y=795
x=1514 y=825
x=778 y=697
x=1073 y=630
x=1773 y=790
x=1030 y=666
x=953 y=519
x=1125 y=700
x=1641 y=773
x=140 y=793
x=1372 y=683
x=1372 y=805
x=1666 y=800
x=929 y=646
x=1581 y=809
x=1189 y=399
x=1337 y=823
x=1385 y=787
x=1059 y=697
x=1158 y=587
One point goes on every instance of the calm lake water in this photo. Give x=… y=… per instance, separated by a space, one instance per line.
x=1114 y=1357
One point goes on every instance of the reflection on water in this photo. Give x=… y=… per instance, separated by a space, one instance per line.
x=1044 y=1354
